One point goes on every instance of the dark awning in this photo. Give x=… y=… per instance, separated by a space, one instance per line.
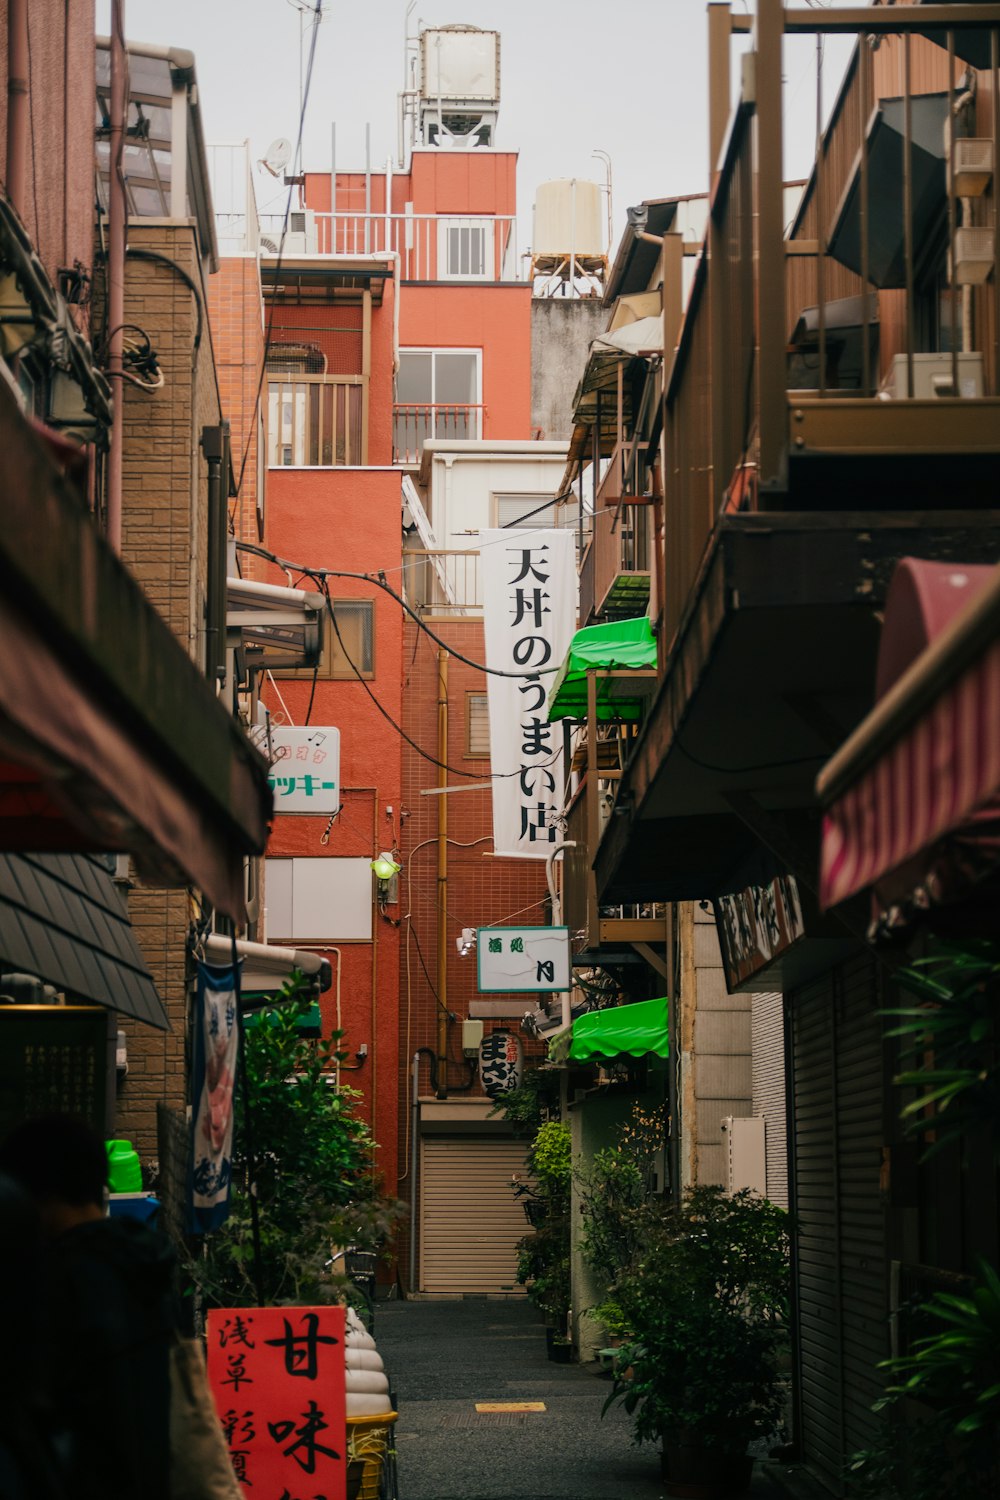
x=637 y=1030
x=913 y=797
x=63 y=919
x=886 y=235
x=110 y=737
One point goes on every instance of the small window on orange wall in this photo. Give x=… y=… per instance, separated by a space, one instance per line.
x=477 y=725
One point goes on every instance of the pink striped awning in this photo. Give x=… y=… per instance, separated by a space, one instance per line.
x=927 y=784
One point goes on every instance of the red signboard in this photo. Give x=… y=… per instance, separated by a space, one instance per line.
x=278 y=1378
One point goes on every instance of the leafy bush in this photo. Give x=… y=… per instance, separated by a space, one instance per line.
x=707 y=1303
x=614 y=1195
x=314 y=1172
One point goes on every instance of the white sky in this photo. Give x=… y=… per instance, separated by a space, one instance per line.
x=626 y=76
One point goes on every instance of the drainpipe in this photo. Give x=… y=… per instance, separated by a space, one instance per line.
x=213 y=444
x=17 y=102
x=442 y=880
x=414 y=1158
x=565 y=1000
x=116 y=271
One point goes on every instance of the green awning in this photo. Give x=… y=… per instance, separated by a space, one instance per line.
x=638 y=1030
x=620 y=644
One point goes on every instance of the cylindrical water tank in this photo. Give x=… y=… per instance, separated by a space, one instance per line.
x=569 y=218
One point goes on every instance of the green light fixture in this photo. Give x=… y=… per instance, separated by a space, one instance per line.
x=385 y=866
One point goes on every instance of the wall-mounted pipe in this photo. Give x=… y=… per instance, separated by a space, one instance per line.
x=18 y=103
x=116 y=269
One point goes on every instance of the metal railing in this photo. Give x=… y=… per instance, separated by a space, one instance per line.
x=859 y=328
x=414 y=422
x=316 y=421
x=431 y=247
x=439 y=582
x=620 y=555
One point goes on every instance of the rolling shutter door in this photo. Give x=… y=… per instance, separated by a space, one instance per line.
x=470 y=1222
x=841 y=1272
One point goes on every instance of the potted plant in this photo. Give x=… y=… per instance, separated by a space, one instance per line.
x=707 y=1306
x=543 y=1263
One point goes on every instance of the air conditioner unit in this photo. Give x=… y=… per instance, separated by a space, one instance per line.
x=743 y=1145
x=932 y=376
x=301 y=237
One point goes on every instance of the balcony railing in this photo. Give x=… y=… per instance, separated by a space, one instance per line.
x=316 y=421
x=859 y=333
x=439 y=582
x=617 y=565
x=431 y=247
x=414 y=422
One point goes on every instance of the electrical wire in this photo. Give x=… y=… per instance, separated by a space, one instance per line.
x=320 y=575
x=252 y=427
x=425 y=754
x=767 y=765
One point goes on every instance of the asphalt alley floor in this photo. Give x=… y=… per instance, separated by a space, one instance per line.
x=444 y=1357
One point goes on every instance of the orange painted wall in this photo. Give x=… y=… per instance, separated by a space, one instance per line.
x=348 y=519
x=439 y=182
x=495 y=319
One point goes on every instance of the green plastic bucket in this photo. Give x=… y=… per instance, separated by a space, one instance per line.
x=124 y=1171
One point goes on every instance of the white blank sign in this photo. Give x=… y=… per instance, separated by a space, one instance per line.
x=319 y=900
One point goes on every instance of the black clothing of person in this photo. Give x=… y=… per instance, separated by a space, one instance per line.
x=110 y=1327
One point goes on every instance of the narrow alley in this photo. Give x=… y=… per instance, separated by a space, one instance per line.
x=447 y=1357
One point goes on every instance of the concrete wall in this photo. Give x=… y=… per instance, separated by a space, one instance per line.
x=716 y=1050
x=562 y=330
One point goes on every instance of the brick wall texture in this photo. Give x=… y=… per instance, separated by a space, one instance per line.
x=481 y=890
x=234 y=303
x=165 y=528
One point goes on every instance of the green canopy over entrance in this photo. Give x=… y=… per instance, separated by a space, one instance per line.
x=620 y=644
x=638 y=1030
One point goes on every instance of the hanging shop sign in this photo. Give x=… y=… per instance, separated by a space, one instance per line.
x=213 y=1080
x=501 y=1061
x=522 y=960
x=529 y=613
x=756 y=926
x=277 y=1375
x=305 y=769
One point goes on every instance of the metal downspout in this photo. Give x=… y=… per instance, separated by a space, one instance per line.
x=17 y=103
x=116 y=271
x=442 y=880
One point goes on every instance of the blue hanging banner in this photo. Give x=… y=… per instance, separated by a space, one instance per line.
x=213 y=1081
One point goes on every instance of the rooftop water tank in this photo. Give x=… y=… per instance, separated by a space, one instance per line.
x=569 y=219
x=460 y=64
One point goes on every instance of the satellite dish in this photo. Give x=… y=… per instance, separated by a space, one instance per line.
x=277 y=156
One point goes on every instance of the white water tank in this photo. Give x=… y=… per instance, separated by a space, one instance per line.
x=459 y=64
x=569 y=218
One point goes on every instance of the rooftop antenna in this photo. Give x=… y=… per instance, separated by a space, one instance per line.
x=304 y=8
x=277 y=156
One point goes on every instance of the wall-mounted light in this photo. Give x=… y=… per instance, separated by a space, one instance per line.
x=386 y=868
x=466 y=942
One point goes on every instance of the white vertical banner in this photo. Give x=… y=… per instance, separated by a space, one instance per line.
x=529 y=615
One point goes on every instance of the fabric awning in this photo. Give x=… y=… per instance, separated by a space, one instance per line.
x=924 y=766
x=64 y=920
x=618 y=645
x=110 y=736
x=637 y=1030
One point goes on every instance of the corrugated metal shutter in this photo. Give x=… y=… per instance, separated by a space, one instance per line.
x=470 y=1221
x=841 y=1284
x=768 y=1031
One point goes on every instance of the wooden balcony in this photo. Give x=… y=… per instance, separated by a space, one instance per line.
x=317 y=421
x=615 y=567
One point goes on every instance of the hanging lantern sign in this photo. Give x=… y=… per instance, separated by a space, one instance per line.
x=501 y=1060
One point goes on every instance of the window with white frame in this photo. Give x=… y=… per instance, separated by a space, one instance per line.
x=465 y=250
x=477 y=725
x=437 y=396
x=523 y=512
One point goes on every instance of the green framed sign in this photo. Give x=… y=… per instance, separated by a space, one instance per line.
x=522 y=960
